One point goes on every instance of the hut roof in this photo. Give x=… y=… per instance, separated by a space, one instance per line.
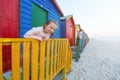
x=58 y=7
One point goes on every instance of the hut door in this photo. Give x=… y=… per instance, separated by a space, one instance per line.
x=39 y=16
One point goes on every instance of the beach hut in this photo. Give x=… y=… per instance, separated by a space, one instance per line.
x=77 y=29
x=9 y=27
x=68 y=28
x=18 y=16
x=34 y=13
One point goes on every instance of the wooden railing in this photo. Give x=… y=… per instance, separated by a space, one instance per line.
x=40 y=60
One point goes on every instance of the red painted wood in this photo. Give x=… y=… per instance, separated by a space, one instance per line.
x=70 y=30
x=10 y=18
x=9 y=27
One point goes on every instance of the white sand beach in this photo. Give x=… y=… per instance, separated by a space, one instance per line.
x=100 y=60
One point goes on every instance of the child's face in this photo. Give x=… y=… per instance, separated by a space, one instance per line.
x=50 y=28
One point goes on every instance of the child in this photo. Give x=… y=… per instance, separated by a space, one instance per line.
x=42 y=33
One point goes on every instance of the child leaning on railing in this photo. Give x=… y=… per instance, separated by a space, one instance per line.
x=42 y=33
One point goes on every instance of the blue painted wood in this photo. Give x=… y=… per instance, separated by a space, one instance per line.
x=63 y=29
x=26 y=10
x=25 y=16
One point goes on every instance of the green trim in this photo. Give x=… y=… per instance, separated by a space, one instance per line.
x=39 y=16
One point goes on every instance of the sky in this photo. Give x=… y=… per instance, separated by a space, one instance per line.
x=96 y=17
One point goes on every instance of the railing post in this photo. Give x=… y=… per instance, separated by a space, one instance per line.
x=58 y=67
x=42 y=58
x=15 y=61
x=34 y=65
x=64 y=60
x=51 y=59
x=48 y=61
x=26 y=60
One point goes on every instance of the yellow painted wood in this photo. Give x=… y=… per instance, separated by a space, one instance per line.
x=54 y=58
x=9 y=40
x=70 y=55
x=34 y=61
x=64 y=52
x=64 y=74
x=66 y=55
x=67 y=58
x=78 y=27
x=42 y=58
x=48 y=61
x=51 y=59
x=26 y=60
x=61 y=53
x=66 y=48
x=70 y=59
x=57 y=58
x=58 y=55
x=15 y=61
x=55 y=55
x=1 y=61
x=64 y=60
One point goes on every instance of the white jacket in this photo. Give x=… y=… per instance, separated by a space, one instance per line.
x=37 y=33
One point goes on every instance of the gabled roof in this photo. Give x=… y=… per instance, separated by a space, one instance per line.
x=58 y=7
x=66 y=17
x=78 y=26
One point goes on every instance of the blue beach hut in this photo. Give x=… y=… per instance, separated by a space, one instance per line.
x=37 y=12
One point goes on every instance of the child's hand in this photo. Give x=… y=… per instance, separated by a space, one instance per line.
x=44 y=38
